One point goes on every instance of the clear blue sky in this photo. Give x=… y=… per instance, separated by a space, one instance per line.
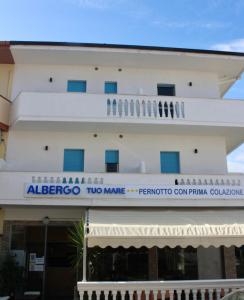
x=204 y=24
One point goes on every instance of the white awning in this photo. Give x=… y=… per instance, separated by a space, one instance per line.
x=161 y=227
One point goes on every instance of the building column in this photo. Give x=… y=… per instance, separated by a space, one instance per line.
x=153 y=263
x=5 y=240
x=229 y=262
x=210 y=265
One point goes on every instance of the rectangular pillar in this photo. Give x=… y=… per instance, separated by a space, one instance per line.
x=209 y=263
x=1 y=221
x=229 y=262
x=5 y=239
x=153 y=263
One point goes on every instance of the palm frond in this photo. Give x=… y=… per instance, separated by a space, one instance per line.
x=76 y=237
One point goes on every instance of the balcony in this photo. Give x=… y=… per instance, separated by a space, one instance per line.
x=131 y=113
x=4 y=113
x=13 y=186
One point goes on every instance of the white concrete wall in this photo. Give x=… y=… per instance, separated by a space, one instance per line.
x=26 y=151
x=35 y=78
x=34 y=214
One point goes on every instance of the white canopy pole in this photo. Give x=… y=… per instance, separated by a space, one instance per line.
x=84 y=258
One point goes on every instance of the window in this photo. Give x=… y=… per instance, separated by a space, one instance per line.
x=239 y=259
x=170 y=162
x=78 y=86
x=112 y=161
x=166 y=89
x=119 y=264
x=110 y=87
x=73 y=160
x=17 y=237
x=177 y=263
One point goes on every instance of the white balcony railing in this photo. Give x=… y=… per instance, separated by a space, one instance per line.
x=73 y=107
x=154 y=109
x=149 y=290
x=206 y=180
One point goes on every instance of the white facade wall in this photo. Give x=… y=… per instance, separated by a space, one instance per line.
x=26 y=151
x=35 y=78
x=26 y=147
x=33 y=214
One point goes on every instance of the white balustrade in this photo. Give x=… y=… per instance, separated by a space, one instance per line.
x=179 y=180
x=225 y=181
x=74 y=108
x=67 y=179
x=135 y=108
x=159 y=290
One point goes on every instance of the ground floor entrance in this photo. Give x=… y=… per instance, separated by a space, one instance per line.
x=121 y=246
x=28 y=246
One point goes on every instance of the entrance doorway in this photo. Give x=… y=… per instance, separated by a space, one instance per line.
x=60 y=278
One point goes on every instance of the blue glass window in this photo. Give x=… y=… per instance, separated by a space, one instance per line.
x=170 y=162
x=110 y=87
x=78 y=86
x=112 y=160
x=73 y=160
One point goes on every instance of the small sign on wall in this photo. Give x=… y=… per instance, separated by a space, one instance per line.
x=36 y=264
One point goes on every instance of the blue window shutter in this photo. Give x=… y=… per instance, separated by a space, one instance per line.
x=110 y=87
x=73 y=160
x=112 y=156
x=170 y=162
x=78 y=86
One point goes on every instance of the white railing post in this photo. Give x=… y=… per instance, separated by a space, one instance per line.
x=89 y=293
x=106 y=294
x=194 y=294
x=147 y=294
x=139 y=294
x=171 y=294
x=218 y=294
x=211 y=294
x=123 y=292
x=162 y=295
x=203 y=292
x=131 y=293
x=187 y=293
x=153 y=294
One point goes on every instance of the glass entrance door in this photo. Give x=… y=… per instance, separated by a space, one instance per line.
x=60 y=274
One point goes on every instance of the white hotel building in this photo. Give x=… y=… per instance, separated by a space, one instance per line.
x=134 y=140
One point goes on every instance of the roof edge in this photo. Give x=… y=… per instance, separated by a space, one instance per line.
x=122 y=46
